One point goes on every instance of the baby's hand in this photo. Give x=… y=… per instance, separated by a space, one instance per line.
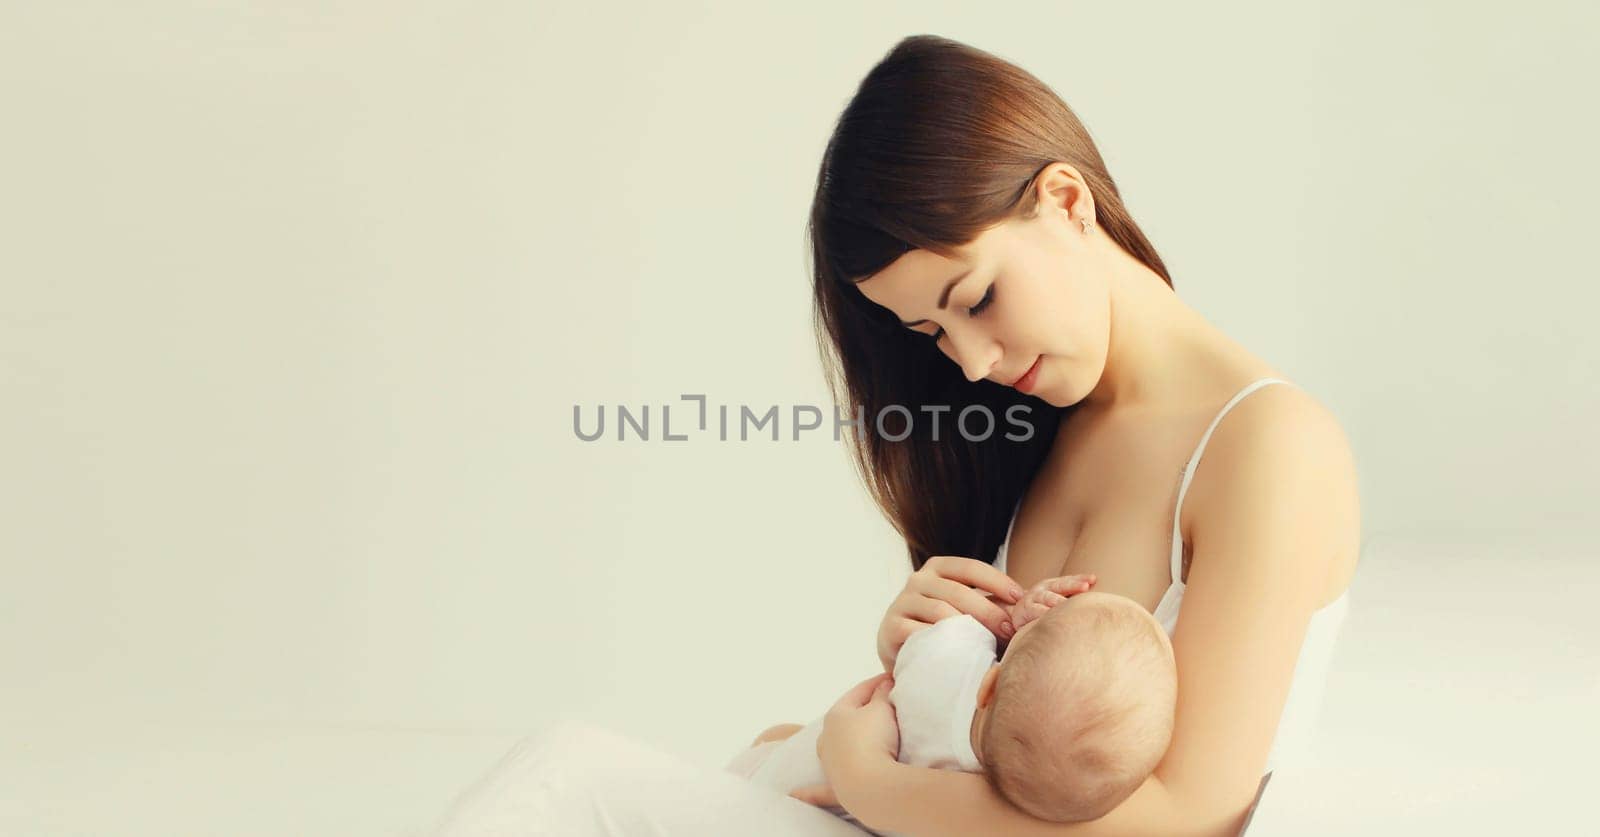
x=1045 y=595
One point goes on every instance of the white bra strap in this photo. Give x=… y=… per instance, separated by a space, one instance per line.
x=1194 y=460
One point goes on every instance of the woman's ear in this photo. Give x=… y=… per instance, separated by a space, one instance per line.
x=1060 y=188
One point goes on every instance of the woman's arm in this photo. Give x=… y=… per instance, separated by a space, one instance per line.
x=925 y=802
x=1281 y=497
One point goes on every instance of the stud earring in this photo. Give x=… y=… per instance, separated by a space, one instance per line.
x=1085 y=224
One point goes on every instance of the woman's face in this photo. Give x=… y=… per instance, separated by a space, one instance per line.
x=1022 y=291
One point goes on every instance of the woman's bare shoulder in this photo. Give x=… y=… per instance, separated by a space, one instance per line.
x=1296 y=434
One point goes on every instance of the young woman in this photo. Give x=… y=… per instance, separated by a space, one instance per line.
x=972 y=254
x=971 y=248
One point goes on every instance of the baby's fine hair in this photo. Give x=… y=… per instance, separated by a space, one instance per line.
x=1083 y=709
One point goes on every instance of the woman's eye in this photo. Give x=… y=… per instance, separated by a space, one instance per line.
x=988 y=295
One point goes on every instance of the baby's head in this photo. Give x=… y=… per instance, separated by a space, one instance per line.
x=1079 y=710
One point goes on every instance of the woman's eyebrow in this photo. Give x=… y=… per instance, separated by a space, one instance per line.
x=944 y=297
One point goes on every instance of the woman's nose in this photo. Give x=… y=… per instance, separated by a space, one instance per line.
x=975 y=354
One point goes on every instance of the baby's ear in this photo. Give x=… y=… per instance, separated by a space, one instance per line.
x=986 y=686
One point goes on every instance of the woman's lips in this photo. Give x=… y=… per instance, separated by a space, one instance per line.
x=1025 y=383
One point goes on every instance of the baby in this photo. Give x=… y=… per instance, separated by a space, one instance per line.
x=1072 y=717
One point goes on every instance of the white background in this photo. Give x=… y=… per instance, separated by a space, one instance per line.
x=296 y=301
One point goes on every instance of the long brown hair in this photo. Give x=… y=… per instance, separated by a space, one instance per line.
x=940 y=142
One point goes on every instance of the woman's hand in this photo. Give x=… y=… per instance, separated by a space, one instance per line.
x=947 y=585
x=1047 y=594
x=859 y=734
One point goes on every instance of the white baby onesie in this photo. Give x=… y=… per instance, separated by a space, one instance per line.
x=935 y=693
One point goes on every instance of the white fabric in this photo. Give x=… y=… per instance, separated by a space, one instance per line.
x=1298 y=721
x=581 y=780
x=935 y=693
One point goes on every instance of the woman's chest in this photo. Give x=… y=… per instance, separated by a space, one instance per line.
x=1105 y=509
